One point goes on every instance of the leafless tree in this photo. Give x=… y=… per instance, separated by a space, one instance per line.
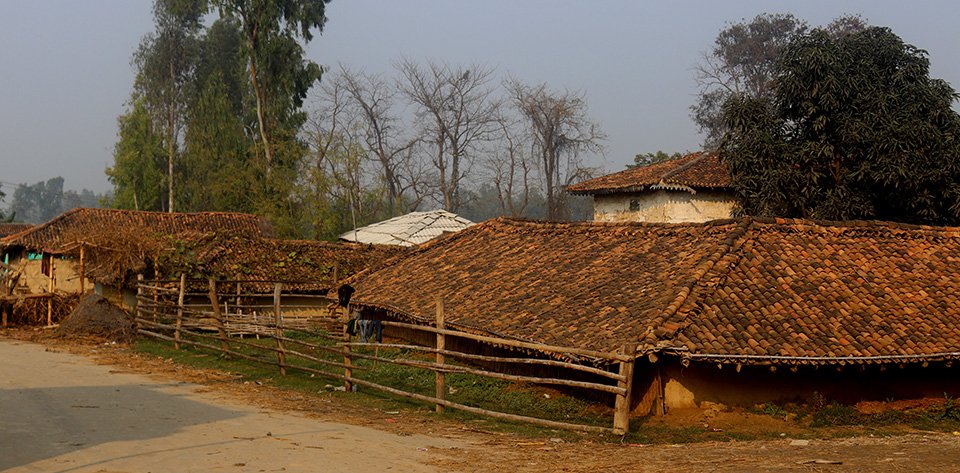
x=456 y=111
x=373 y=100
x=511 y=167
x=560 y=132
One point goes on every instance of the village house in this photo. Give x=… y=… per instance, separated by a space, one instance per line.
x=410 y=229
x=732 y=312
x=692 y=188
x=51 y=256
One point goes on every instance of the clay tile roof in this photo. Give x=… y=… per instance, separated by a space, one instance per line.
x=589 y=285
x=51 y=235
x=411 y=229
x=698 y=170
x=11 y=228
x=812 y=292
x=732 y=291
x=299 y=264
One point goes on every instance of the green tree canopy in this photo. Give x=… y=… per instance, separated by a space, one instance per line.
x=646 y=159
x=855 y=129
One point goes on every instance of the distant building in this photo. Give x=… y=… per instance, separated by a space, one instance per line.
x=411 y=229
x=692 y=188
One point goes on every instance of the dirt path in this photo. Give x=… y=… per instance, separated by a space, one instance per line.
x=63 y=413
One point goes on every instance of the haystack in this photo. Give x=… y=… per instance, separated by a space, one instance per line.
x=96 y=316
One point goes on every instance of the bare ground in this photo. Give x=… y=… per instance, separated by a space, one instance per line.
x=468 y=447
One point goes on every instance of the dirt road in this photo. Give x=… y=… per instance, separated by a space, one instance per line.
x=63 y=413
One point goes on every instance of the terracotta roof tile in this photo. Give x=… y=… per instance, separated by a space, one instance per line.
x=51 y=235
x=698 y=170
x=744 y=291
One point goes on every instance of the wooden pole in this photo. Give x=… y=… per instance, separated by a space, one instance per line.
x=82 y=285
x=215 y=307
x=176 y=334
x=621 y=410
x=441 y=359
x=136 y=307
x=156 y=290
x=281 y=352
x=50 y=290
x=347 y=360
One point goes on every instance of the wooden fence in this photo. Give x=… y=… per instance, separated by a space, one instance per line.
x=174 y=311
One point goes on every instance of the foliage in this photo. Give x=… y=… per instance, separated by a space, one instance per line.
x=647 y=159
x=137 y=173
x=742 y=61
x=856 y=129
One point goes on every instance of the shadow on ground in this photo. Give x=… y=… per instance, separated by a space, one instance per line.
x=41 y=423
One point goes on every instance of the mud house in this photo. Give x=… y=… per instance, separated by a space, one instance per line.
x=732 y=312
x=411 y=229
x=51 y=256
x=692 y=188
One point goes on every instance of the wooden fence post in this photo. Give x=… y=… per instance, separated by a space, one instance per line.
x=82 y=285
x=621 y=410
x=282 y=353
x=215 y=307
x=347 y=361
x=50 y=290
x=176 y=334
x=137 y=307
x=441 y=359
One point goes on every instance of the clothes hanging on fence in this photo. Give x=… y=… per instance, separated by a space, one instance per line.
x=370 y=329
x=352 y=327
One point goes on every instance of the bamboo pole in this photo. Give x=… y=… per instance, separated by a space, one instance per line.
x=488 y=413
x=347 y=361
x=183 y=285
x=515 y=343
x=621 y=410
x=82 y=285
x=137 y=308
x=493 y=374
x=156 y=291
x=281 y=352
x=499 y=359
x=50 y=290
x=441 y=345
x=215 y=305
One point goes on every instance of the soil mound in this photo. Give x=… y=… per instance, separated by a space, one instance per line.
x=96 y=316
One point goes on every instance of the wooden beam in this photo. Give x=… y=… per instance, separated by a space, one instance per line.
x=278 y=329
x=621 y=410
x=441 y=383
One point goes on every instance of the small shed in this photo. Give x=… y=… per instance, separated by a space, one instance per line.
x=692 y=188
x=411 y=229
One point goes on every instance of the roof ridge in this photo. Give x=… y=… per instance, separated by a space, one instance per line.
x=694 y=159
x=657 y=325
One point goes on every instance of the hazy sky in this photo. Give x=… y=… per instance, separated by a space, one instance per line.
x=65 y=71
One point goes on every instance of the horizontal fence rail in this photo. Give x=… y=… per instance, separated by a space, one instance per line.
x=219 y=319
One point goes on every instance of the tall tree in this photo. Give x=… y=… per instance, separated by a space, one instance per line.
x=165 y=62
x=855 y=128
x=279 y=75
x=741 y=64
x=138 y=162
x=561 y=132
x=457 y=111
